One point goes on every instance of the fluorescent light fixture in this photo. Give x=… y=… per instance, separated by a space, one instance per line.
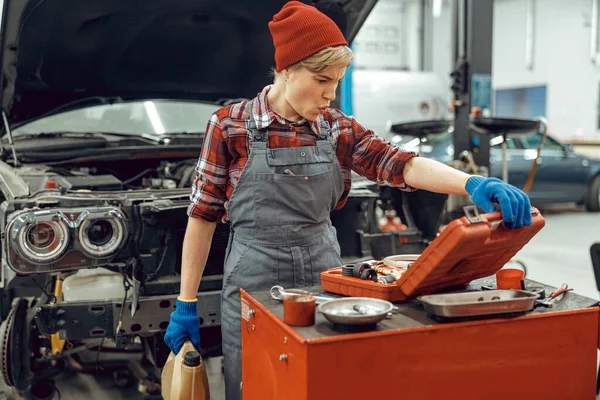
x=437 y=8
x=154 y=118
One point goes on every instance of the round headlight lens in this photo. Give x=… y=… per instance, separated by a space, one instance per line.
x=41 y=235
x=43 y=241
x=100 y=232
x=101 y=237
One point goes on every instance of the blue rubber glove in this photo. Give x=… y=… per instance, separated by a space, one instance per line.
x=515 y=205
x=184 y=324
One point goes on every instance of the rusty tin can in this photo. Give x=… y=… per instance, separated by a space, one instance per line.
x=299 y=310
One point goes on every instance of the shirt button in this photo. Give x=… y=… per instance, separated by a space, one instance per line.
x=302 y=154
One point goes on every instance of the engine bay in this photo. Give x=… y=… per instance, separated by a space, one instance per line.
x=81 y=216
x=132 y=174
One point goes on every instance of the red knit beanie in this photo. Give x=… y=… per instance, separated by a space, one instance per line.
x=299 y=31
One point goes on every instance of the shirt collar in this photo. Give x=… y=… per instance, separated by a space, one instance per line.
x=265 y=116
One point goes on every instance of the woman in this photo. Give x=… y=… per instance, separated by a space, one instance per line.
x=275 y=167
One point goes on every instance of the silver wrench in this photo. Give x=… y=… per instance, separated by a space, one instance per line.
x=278 y=293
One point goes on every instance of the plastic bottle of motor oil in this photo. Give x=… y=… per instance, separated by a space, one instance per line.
x=191 y=377
x=184 y=376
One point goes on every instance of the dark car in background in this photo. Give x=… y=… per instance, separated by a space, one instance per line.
x=562 y=176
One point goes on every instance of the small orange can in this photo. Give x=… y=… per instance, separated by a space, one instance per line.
x=510 y=278
x=299 y=310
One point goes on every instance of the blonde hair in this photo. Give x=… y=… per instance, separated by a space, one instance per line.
x=323 y=59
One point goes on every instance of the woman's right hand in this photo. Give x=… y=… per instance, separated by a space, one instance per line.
x=184 y=324
x=515 y=205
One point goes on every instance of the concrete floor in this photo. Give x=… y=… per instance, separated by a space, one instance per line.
x=89 y=387
x=559 y=253
x=76 y=386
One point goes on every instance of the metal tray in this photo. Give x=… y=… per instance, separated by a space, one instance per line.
x=355 y=310
x=470 y=304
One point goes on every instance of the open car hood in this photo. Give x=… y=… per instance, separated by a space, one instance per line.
x=64 y=54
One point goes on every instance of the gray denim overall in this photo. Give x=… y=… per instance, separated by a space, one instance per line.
x=281 y=233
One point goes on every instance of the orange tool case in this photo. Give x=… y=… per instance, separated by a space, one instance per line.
x=470 y=247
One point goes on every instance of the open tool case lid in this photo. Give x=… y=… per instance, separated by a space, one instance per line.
x=470 y=247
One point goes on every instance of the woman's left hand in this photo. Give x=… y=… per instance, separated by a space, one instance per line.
x=515 y=204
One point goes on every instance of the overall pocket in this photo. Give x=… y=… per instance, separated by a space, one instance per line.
x=236 y=254
x=292 y=199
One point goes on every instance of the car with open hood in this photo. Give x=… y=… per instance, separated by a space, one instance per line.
x=104 y=104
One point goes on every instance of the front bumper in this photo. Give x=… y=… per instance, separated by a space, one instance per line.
x=97 y=319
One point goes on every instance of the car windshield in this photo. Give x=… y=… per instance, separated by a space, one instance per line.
x=140 y=117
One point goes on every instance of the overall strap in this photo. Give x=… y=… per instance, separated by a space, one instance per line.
x=325 y=130
x=255 y=134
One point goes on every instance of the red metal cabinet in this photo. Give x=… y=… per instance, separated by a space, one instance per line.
x=549 y=354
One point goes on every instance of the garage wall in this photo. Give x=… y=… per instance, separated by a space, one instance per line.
x=438 y=45
x=389 y=38
x=442 y=57
x=561 y=61
x=388 y=83
x=561 y=58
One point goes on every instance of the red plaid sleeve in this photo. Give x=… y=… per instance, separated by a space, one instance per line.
x=377 y=159
x=208 y=193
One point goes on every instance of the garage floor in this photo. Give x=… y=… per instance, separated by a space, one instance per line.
x=88 y=387
x=559 y=253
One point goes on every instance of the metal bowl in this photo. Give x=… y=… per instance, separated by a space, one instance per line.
x=355 y=310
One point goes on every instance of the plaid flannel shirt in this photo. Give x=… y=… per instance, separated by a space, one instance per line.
x=227 y=146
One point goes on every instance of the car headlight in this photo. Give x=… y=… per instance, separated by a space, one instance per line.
x=64 y=239
x=101 y=237
x=43 y=241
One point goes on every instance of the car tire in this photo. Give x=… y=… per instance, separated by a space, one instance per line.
x=592 y=201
